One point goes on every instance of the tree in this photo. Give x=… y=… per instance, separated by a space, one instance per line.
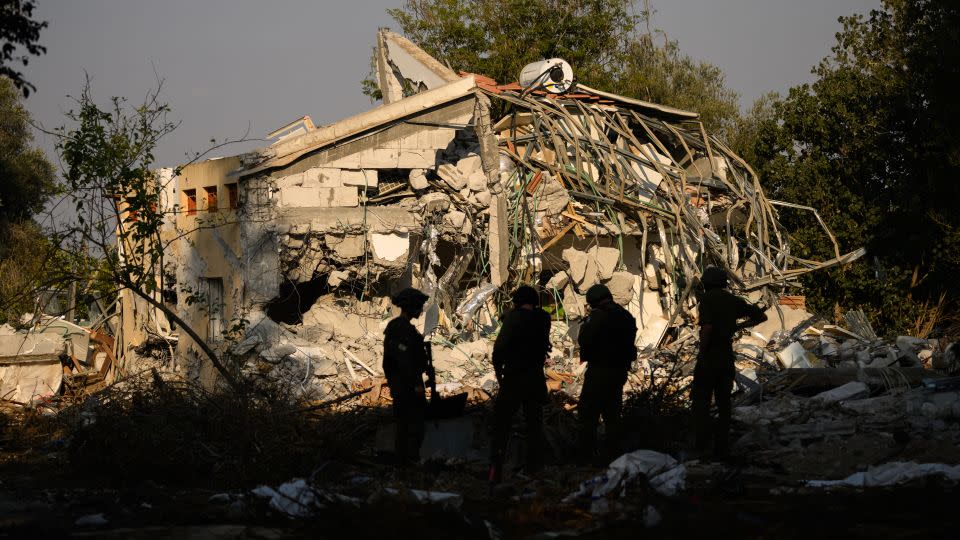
x=601 y=39
x=27 y=181
x=28 y=177
x=665 y=75
x=873 y=143
x=18 y=29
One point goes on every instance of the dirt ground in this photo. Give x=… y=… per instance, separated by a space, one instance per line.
x=47 y=488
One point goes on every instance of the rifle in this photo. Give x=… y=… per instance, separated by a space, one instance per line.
x=439 y=407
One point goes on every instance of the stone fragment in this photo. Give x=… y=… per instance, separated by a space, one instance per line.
x=449 y=173
x=477 y=181
x=558 y=281
x=349 y=246
x=621 y=287
x=455 y=219
x=337 y=277
x=435 y=202
x=469 y=165
x=483 y=198
x=418 y=179
x=574 y=304
x=606 y=260
x=583 y=268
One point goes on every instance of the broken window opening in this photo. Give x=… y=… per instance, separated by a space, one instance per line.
x=211 y=192
x=190 y=196
x=214 y=294
x=233 y=196
x=295 y=299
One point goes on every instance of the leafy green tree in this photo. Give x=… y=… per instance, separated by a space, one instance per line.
x=498 y=37
x=27 y=181
x=873 y=144
x=28 y=178
x=601 y=39
x=666 y=75
x=18 y=29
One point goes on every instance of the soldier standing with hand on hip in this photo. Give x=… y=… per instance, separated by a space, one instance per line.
x=714 y=373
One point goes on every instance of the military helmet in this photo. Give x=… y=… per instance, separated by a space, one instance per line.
x=525 y=294
x=598 y=294
x=714 y=277
x=409 y=299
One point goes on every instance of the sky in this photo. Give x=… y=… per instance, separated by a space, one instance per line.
x=232 y=68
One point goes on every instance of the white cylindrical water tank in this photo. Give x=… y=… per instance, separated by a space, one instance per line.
x=554 y=75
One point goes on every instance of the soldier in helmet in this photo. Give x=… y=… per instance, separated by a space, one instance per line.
x=518 y=357
x=720 y=310
x=607 y=345
x=404 y=363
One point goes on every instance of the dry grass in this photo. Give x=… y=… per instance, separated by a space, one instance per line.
x=931 y=316
x=177 y=434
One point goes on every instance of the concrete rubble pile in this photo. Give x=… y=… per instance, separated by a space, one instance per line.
x=297 y=246
x=51 y=357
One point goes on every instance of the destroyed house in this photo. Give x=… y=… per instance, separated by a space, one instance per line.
x=294 y=249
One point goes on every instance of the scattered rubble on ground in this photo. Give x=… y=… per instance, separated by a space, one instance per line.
x=50 y=358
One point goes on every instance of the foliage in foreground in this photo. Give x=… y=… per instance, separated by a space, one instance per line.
x=177 y=434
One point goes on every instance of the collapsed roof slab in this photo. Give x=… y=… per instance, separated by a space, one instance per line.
x=372 y=219
x=399 y=61
x=30 y=366
x=287 y=151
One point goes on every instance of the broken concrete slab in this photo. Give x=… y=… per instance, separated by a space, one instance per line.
x=550 y=196
x=850 y=391
x=349 y=246
x=435 y=202
x=418 y=179
x=621 y=287
x=362 y=179
x=583 y=268
x=454 y=219
x=349 y=326
x=558 y=281
x=30 y=366
x=452 y=176
x=391 y=247
x=606 y=259
x=319 y=197
x=78 y=337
